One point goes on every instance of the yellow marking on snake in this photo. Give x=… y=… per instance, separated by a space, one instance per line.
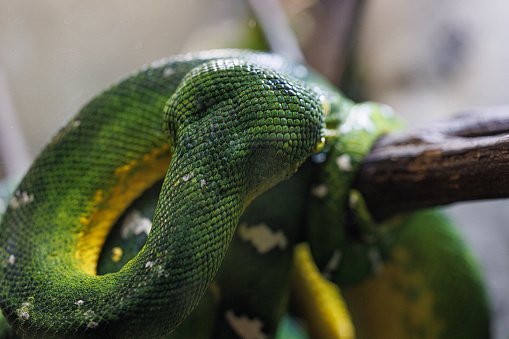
x=116 y=254
x=397 y=302
x=319 y=300
x=134 y=178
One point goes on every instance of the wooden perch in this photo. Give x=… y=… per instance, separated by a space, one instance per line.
x=460 y=159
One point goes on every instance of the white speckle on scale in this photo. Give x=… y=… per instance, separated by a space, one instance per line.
x=244 y=327
x=20 y=199
x=262 y=237
x=89 y=315
x=202 y=182
x=161 y=273
x=149 y=264
x=188 y=176
x=12 y=259
x=79 y=302
x=375 y=258
x=344 y=162
x=135 y=223
x=23 y=311
x=320 y=191
x=333 y=264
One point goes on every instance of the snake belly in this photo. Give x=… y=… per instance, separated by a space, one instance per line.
x=233 y=124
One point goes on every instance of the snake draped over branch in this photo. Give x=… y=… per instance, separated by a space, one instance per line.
x=223 y=127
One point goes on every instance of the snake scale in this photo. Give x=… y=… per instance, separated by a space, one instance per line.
x=204 y=135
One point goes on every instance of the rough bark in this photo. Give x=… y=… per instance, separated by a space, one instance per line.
x=459 y=159
x=463 y=158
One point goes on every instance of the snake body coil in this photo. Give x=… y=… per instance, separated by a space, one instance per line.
x=234 y=128
x=221 y=127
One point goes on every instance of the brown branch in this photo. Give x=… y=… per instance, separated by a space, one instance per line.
x=463 y=158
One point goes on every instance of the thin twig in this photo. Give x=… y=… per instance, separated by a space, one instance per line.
x=14 y=155
x=276 y=28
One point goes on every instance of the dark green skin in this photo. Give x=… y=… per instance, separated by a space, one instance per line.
x=260 y=291
x=238 y=123
x=257 y=286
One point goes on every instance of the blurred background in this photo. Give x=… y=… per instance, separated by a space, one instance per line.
x=426 y=58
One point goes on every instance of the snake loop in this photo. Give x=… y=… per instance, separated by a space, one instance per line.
x=221 y=128
x=235 y=129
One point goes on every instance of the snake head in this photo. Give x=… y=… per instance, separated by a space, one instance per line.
x=249 y=121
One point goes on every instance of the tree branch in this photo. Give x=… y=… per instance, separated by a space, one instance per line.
x=463 y=158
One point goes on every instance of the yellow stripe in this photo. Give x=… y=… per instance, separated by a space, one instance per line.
x=133 y=179
x=319 y=301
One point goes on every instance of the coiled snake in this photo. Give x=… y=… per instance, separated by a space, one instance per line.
x=223 y=127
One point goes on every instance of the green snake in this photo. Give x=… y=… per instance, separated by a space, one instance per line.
x=222 y=128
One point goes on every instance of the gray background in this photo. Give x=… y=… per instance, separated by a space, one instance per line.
x=426 y=58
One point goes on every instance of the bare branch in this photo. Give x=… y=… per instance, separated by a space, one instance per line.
x=463 y=158
x=276 y=28
x=460 y=159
